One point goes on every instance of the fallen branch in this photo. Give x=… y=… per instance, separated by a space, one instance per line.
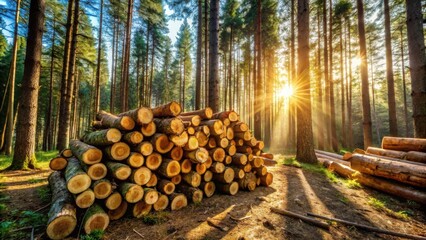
x=239 y=219
x=301 y=217
x=365 y=227
x=134 y=230
x=213 y=224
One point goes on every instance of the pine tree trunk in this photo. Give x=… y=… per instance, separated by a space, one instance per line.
x=327 y=119
x=199 y=55
x=98 y=63
x=125 y=70
x=258 y=90
x=214 y=56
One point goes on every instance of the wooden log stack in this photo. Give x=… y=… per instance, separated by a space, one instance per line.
x=150 y=160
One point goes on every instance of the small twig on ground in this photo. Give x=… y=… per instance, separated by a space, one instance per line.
x=301 y=217
x=171 y=234
x=213 y=224
x=134 y=230
x=32 y=233
x=26 y=228
x=44 y=207
x=239 y=219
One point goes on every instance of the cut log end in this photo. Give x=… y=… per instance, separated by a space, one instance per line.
x=134 y=194
x=127 y=123
x=144 y=115
x=152 y=181
x=79 y=183
x=135 y=160
x=98 y=221
x=150 y=196
x=66 y=153
x=97 y=171
x=113 y=201
x=92 y=156
x=149 y=129
x=61 y=227
x=267 y=179
x=102 y=188
x=58 y=163
x=141 y=176
x=85 y=199
x=145 y=148
x=141 y=209
x=118 y=212
x=162 y=203
x=153 y=161
x=120 y=151
x=113 y=135
x=209 y=188
x=186 y=166
x=178 y=201
x=123 y=173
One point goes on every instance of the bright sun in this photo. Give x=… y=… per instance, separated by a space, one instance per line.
x=286 y=91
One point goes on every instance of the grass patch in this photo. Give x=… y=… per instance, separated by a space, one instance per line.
x=155 y=218
x=291 y=162
x=380 y=204
x=376 y=203
x=352 y=184
x=43 y=159
x=94 y=235
x=44 y=193
x=21 y=219
x=36 y=180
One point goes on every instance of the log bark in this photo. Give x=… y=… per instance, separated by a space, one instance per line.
x=177 y=201
x=149 y=129
x=118 y=151
x=118 y=212
x=231 y=150
x=416 y=156
x=267 y=155
x=62 y=218
x=135 y=160
x=153 y=161
x=248 y=182
x=77 y=180
x=239 y=173
x=162 y=203
x=194 y=120
x=197 y=156
x=227 y=176
x=95 y=219
x=239 y=159
x=192 y=178
x=169 y=168
x=257 y=162
x=150 y=196
x=108 y=120
x=217 y=167
x=131 y=192
x=85 y=152
x=113 y=201
x=267 y=179
x=404 y=144
x=260 y=171
x=231 y=115
x=204 y=129
x=133 y=138
x=118 y=170
x=205 y=113
x=102 y=188
x=145 y=148
x=85 y=199
x=173 y=126
x=228 y=188
x=161 y=143
x=140 y=176
x=166 y=187
x=102 y=137
x=58 y=163
x=246 y=136
x=171 y=109
x=140 y=115
x=96 y=171
x=195 y=195
x=412 y=174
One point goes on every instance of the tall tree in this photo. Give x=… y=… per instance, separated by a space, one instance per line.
x=366 y=108
x=305 y=139
x=333 y=133
x=327 y=110
x=393 y=126
x=417 y=60
x=98 y=63
x=24 y=155
x=214 y=56
x=258 y=90
x=199 y=54
x=126 y=61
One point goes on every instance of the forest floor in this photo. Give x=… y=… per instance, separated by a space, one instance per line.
x=24 y=198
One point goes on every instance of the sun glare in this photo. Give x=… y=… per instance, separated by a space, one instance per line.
x=356 y=61
x=286 y=91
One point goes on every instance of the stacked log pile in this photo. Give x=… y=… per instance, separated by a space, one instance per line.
x=398 y=168
x=150 y=160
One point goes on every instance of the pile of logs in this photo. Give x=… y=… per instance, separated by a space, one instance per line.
x=398 y=168
x=150 y=160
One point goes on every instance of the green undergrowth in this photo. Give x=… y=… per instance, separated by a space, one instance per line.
x=155 y=218
x=18 y=224
x=383 y=203
x=94 y=235
x=43 y=159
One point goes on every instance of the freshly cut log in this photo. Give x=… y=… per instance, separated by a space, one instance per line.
x=162 y=203
x=231 y=115
x=228 y=188
x=141 y=176
x=131 y=192
x=85 y=152
x=256 y=152
x=118 y=212
x=239 y=159
x=239 y=173
x=204 y=129
x=217 y=154
x=66 y=153
x=177 y=201
x=267 y=155
x=247 y=168
x=211 y=143
x=103 y=137
x=383 y=185
x=191 y=144
x=217 y=167
x=190 y=130
x=180 y=140
x=113 y=201
x=345 y=157
x=118 y=170
x=240 y=127
x=209 y=162
x=176 y=153
x=186 y=166
x=102 y=188
x=169 y=168
x=205 y=113
x=197 y=156
x=140 y=115
x=249 y=156
x=176 y=179
x=150 y=196
x=195 y=195
x=133 y=138
x=152 y=181
x=248 y=182
x=85 y=199
x=58 y=163
x=192 y=178
x=118 y=151
x=412 y=174
x=77 y=180
x=135 y=160
x=141 y=209
x=96 y=171
x=231 y=150
x=215 y=126
x=239 y=142
x=208 y=188
x=171 y=109
x=267 y=179
x=169 y=125
x=161 y=143
x=257 y=162
x=153 y=161
x=145 y=148
x=148 y=129
x=246 y=136
x=95 y=219
x=260 y=145
x=269 y=162
x=260 y=171
x=226 y=122
x=221 y=142
x=244 y=149
x=228 y=160
x=415 y=156
x=193 y=119
x=251 y=143
x=200 y=168
x=202 y=138
x=62 y=214
x=229 y=133
x=227 y=176
x=165 y=186
x=329 y=154
x=404 y=144
x=207 y=176
x=109 y=120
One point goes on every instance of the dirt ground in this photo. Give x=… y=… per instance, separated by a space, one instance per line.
x=247 y=215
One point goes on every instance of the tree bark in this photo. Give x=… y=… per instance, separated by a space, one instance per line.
x=258 y=91
x=98 y=63
x=214 y=56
